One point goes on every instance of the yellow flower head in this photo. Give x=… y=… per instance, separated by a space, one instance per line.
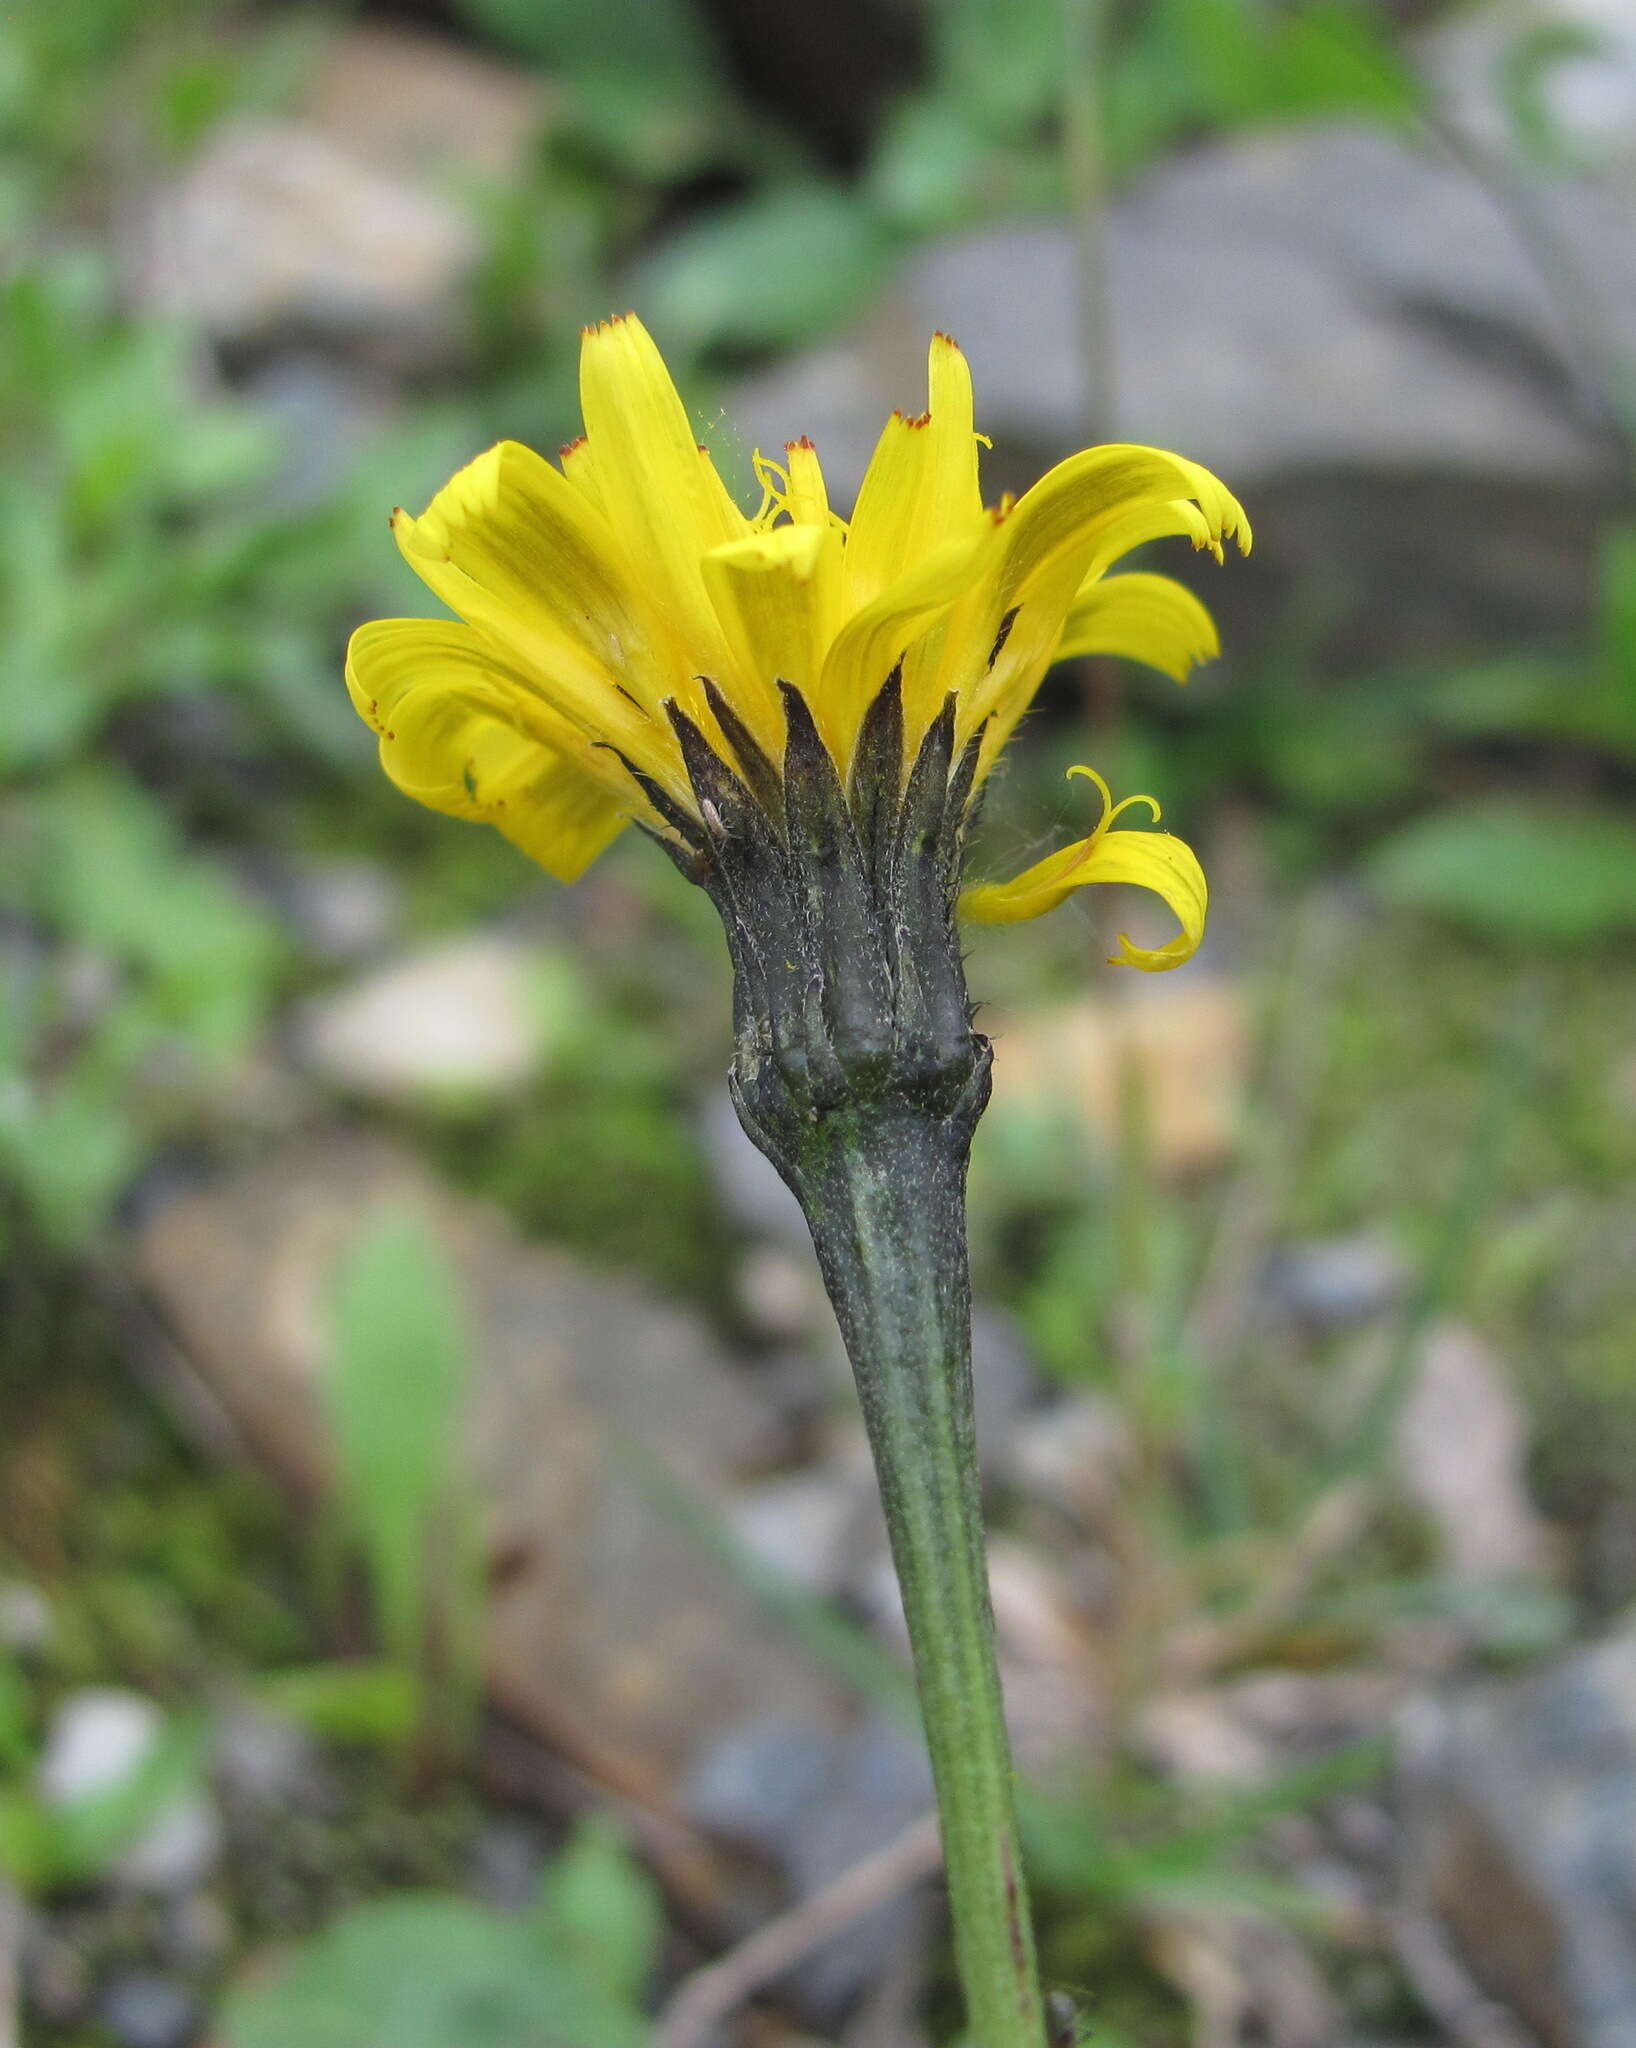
x=608 y=605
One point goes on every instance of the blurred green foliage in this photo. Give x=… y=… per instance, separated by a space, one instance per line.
x=424 y=1972
x=647 y=78
x=126 y=575
x=1527 y=872
x=397 y=1390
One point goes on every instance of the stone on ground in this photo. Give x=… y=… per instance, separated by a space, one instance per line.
x=614 y=1630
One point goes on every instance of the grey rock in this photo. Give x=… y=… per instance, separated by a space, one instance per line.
x=1006 y=1382
x=1518 y=1804
x=326 y=413
x=55 y=1978
x=881 y=1787
x=780 y=1293
x=1462 y=1447
x=425 y=106
x=761 y=1779
x=143 y=2011
x=342 y=910
x=1335 y=1283
x=1325 y=309
x=346 y=225
x=1280 y=302
x=196 y=1934
x=506 y=1861
x=457 y=1017
x=1587 y=94
x=1073 y=1455
x=97 y=1740
x=266 y=1764
x=13 y=1935
x=750 y=1187
x=277 y=230
x=601 y=1420
x=812 y=1528
x=178 y=1851
x=25 y=1619
x=816 y=1800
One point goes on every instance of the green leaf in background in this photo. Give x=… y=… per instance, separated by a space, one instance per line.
x=1559 y=696
x=1515 y=871
x=430 y=1972
x=1616 y=592
x=645 y=75
x=1339 y=57
x=1182 y=66
x=115 y=874
x=16 y=1716
x=1510 y=694
x=356 y=1700
x=395 y=1392
x=1339 y=753
x=999 y=60
x=665 y=40
x=599 y=1908
x=776 y=268
x=930 y=166
x=70 y=1147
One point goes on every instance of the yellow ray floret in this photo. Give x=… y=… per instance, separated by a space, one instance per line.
x=595 y=596
x=1148 y=860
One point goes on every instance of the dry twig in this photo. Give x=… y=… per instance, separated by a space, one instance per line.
x=1469 y=2017
x=710 y=1995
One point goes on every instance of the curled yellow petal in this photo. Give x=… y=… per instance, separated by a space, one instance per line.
x=1055 y=541
x=464 y=734
x=1146 y=860
x=1088 y=500
x=1144 y=618
x=523 y=555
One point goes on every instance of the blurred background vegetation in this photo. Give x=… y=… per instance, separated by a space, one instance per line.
x=1307 y=1277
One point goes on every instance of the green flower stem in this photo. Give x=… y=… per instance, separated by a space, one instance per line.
x=857 y=1071
x=886 y=1201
